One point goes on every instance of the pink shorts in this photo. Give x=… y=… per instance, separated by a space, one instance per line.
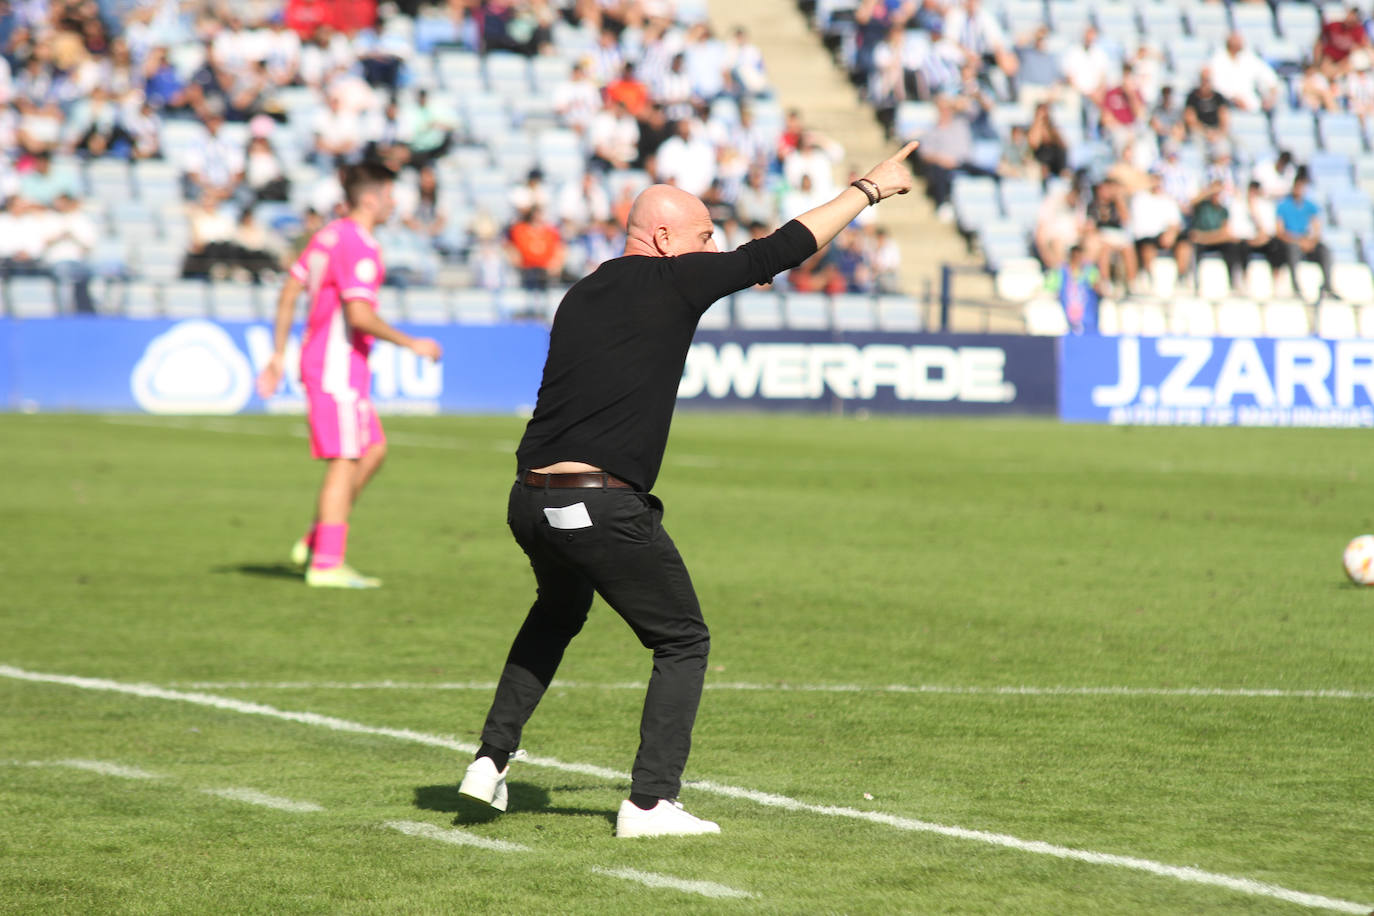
x=341 y=426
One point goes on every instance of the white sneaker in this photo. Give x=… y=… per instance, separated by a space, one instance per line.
x=667 y=818
x=482 y=783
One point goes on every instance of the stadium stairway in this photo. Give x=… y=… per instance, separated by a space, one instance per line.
x=806 y=77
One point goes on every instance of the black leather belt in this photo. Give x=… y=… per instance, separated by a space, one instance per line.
x=581 y=480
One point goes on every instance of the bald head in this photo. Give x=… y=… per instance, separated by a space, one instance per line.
x=666 y=221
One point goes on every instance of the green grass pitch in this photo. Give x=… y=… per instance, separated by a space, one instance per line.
x=827 y=552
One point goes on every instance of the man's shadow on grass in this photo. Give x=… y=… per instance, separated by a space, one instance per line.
x=262 y=570
x=524 y=796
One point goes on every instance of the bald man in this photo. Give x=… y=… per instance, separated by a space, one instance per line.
x=581 y=506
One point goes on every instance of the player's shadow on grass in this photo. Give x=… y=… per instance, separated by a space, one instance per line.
x=523 y=797
x=262 y=570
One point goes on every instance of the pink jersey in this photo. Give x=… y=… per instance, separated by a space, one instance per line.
x=342 y=262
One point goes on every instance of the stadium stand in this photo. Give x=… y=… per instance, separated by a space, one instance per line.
x=1064 y=113
x=199 y=143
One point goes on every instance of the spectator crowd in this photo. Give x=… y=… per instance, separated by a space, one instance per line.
x=235 y=123
x=1177 y=130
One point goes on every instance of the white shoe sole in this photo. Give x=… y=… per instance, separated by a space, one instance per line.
x=484 y=785
x=660 y=822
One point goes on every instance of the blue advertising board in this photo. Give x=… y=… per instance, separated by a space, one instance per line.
x=907 y=373
x=208 y=367
x=1199 y=381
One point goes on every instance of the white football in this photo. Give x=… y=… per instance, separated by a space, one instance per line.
x=1359 y=560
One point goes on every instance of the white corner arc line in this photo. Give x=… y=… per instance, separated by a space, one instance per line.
x=104 y=768
x=936 y=689
x=650 y=879
x=454 y=836
x=254 y=797
x=1180 y=873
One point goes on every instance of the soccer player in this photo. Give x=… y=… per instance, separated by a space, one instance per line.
x=581 y=506
x=342 y=269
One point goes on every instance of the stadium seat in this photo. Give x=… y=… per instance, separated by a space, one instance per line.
x=717 y=317
x=1337 y=321
x=853 y=312
x=507 y=74
x=1341 y=132
x=1070 y=17
x=1254 y=21
x=1002 y=241
x=757 y=311
x=1161 y=22
x=459 y=71
x=1164 y=277
x=807 y=311
x=1022 y=16
x=108 y=179
x=1209 y=22
x=913 y=119
x=1353 y=282
x=427 y=305
x=1342 y=245
x=1286 y=318
x=1113 y=18
x=479 y=306
x=1364 y=317
x=1213 y=280
x=139 y=299
x=1192 y=317
x=186 y=299
x=1045 y=318
x=1021 y=200
x=1239 y=318
x=1299 y=22
x=31 y=297
x=159 y=261
x=235 y=302
x=975 y=202
x=899 y=314
x=1019 y=279
x=1259 y=280
x=1108 y=317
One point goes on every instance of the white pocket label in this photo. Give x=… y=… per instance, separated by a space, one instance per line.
x=569 y=517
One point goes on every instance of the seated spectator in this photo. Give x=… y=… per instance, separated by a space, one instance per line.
x=1356 y=88
x=576 y=100
x=427 y=129
x=1018 y=159
x=536 y=249
x=1110 y=211
x=1088 y=67
x=1253 y=223
x=44 y=183
x=69 y=236
x=217 y=248
x=629 y=91
x=1131 y=171
x=614 y=138
x=40 y=127
x=1316 y=91
x=338 y=134
x=162 y=86
x=1079 y=286
x=144 y=129
x=1059 y=225
x=263 y=173
x=1123 y=107
x=584 y=201
x=886 y=257
x=756 y=202
x=975 y=29
x=1276 y=176
x=94 y=127
x=816 y=156
x=21 y=237
x=797 y=200
x=1156 y=224
x=851 y=262
x=214 y=164
x=1039 y=77
x=744 y=64
x=1048 y=143
x=1339 y=39
x=1210 y=232
x=945 y=151
x=1206 y=112
x=533 y=194
x=1300 y=230
x=687 y=159
x=1242 y=77
x=426 y=218
x=1166 y=119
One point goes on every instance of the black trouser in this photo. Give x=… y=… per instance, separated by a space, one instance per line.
x=1319 y=253
x=626 y=557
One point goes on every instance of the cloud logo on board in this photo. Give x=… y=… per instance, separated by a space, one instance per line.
x=195 y=367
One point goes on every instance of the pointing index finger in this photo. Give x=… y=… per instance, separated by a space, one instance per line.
x=906 y=151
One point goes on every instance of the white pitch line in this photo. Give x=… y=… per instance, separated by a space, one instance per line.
x=454 y=836
x=937 y=689
x=1180 y=873
x=704 y=888
x=254 y=797
x=104 y=768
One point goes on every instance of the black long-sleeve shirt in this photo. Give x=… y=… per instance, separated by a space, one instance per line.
x=618 y=346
